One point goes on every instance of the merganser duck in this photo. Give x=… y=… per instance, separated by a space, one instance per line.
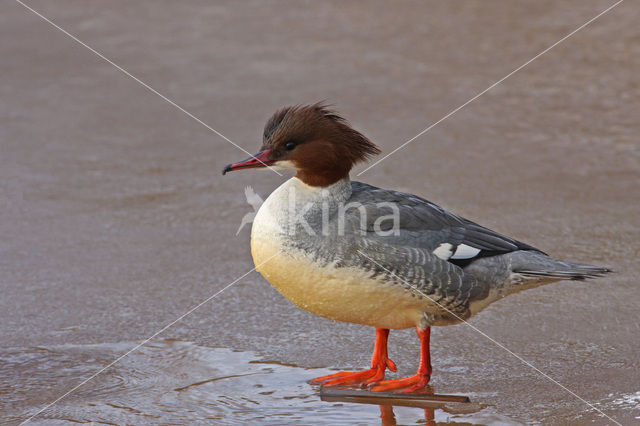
x=352 y=252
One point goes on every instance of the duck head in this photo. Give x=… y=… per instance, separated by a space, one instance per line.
x=313 y=140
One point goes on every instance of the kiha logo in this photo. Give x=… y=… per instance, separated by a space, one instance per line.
x=326 y=218
x=255 y=201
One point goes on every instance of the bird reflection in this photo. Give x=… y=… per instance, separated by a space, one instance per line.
x=388 y=418
x=425 y=400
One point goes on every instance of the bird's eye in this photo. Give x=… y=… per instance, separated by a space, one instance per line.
x=289 y=145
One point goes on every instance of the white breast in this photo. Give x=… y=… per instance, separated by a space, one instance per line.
x=341 y=294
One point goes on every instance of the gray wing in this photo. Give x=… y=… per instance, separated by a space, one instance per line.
x=426 y=250
x=418 y=271
x=424 y=275
x=428 y=254
x=425 y=225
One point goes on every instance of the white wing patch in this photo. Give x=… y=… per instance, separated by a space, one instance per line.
x=444 y=251
x=464 y=251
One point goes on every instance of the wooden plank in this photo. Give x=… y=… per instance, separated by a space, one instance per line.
x=420 y=400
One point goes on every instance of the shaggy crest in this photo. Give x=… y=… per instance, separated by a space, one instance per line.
x=318 y=122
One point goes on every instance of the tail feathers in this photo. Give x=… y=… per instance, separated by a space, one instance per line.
x=533 y=265
x=568 y=271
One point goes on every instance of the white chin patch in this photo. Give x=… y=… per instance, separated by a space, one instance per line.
x=284 y=165
x=464 y=251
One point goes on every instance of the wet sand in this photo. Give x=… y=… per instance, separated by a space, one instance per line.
x=115 y=219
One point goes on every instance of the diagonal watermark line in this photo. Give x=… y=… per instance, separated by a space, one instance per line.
x=453 y=111
x=142 y=83
x=500 y=345
x=147 y=340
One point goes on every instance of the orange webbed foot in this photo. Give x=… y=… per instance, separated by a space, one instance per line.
x=379 y=363
x=406 y=385
x=418 y=381
x=372 y=375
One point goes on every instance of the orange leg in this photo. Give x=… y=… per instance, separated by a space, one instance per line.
x=379 y=363
x=421 y=378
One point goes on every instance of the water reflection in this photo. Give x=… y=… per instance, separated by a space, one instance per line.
x=436 y=409
x=388 y=418
x=181 y=382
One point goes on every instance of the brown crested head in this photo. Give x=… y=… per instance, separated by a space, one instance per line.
x=315 y=141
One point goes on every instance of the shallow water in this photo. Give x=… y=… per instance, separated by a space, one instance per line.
x=180 y=382
x=115 y=220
